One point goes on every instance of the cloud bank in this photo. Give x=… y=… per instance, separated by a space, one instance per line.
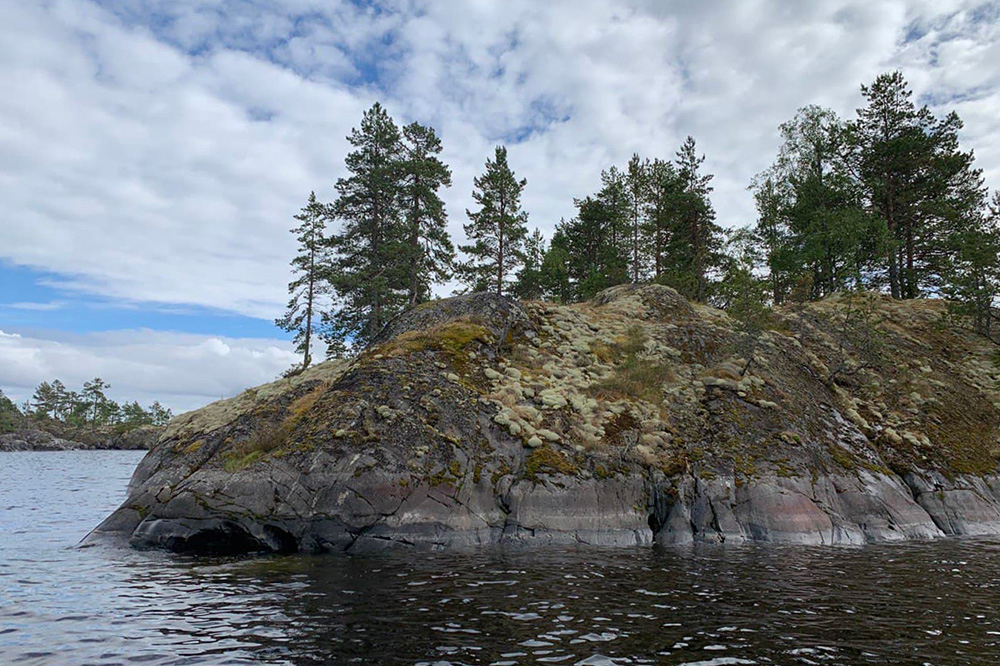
x=181 y=371
x=155 y=152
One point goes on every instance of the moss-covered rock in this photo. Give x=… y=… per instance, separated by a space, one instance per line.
x=477 y=419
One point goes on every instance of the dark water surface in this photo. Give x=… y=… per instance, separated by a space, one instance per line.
x=921 y=603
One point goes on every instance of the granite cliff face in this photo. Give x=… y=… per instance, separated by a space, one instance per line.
x=630 y=419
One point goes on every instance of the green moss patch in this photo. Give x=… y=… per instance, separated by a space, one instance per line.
x=548 y=461
x=453 y=337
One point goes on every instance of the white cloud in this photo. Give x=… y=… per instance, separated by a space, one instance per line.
x=182 y=371
x=47 y=306
x=143 y=172
x=161 y=159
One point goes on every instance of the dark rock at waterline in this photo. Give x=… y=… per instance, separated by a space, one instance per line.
x=623 y=421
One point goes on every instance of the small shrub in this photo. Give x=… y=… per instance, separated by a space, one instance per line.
x=634 y=376
x=265 y=438
x=859 y=336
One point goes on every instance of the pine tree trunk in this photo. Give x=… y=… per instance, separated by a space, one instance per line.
x=911 y=281
x=415 y=247
x=890 y=221
x=500 y=246
x=309 y=305
x=635 y=243
x=699 y=261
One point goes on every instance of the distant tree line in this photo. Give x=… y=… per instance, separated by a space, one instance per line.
x=10 y=415
x=88 y=407
x=886 y=201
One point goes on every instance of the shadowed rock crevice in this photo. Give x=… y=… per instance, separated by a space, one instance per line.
x=218 y=537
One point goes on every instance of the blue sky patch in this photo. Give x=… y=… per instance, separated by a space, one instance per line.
x=27 y=302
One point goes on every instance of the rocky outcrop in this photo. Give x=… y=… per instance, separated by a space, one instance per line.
x=632 y=419
x=61 y=438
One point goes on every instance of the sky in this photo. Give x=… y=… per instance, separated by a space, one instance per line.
x=153 y=153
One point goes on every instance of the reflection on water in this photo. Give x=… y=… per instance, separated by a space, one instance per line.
x=933 y=602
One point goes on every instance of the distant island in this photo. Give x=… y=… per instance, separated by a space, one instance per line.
x=57 y=419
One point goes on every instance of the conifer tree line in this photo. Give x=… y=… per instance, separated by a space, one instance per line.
x=651 y=221
x=9 y=413
x=89 y=406
x=378 y=248
x=885 y=201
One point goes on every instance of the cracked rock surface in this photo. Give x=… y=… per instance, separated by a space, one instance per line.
x=630 y=419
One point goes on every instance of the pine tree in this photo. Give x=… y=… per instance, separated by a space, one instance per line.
x=497 y=230
x=309 y=268
x=914 y=178
x=109 y=412
x=93 y=395
x=833 y=242
x=159 y=414
x=10 y=415
x=772 y=235
x=972 y=280
x=429 y=251
x=529 y=279
x=614 y=247
x=555 y=270
x=367 y=276
x=696 y=239
x=593 y=262
x=663 y=191
x=78 y=409
x=134 y=415
x=636 y=181
x=62 y=400
x=43 y=401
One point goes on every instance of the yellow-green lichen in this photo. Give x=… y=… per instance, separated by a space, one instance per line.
x=545 y=460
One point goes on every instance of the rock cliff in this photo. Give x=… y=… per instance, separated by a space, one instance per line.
x=631 y=419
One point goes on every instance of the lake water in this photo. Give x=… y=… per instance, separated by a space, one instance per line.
x=920 y=603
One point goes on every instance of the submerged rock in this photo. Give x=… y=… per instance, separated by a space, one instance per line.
x=632 y=419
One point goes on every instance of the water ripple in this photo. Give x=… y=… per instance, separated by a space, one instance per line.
x=928 y=602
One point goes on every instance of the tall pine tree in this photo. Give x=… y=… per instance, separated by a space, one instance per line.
x=695 y=240
x=614 y=196
x=497 y=230
x=555 y=270
x=367 y=276
x=636 y=185
x=816 y=233
x=663 y=191
x=430 y=255
x=309 y=267
x=972 y=279
x=914 y=178
x=94 y=397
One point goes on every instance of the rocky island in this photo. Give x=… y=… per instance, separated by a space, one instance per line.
x=28 y=436
x=633 y=418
